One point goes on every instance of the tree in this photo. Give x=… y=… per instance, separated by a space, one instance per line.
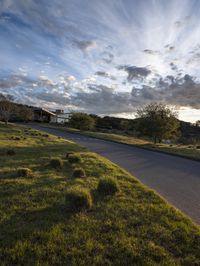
x=82 y=121
x=198 y=123
x=6 y=107
x=24 y=113
x=158 y=121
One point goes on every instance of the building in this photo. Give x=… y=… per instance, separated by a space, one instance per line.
x=62 y=117
x=43 y=115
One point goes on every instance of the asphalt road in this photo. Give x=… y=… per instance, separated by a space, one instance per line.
x=175 y=178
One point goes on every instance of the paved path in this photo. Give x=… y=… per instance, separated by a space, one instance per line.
x=176 y=179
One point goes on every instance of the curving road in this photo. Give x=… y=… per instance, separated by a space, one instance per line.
x=175 y=178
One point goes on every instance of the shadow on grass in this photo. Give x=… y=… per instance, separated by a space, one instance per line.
x=23 y=224
x=28 y=155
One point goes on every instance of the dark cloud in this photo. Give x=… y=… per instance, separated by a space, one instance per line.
x=173 y=66
x=85 y=46
x=151 y=52
x=102 y=74
x=171 y=90
x=135 y=72
x=51 y=97
x=103 y=100
x=105 y=75
x=20 y=80
x=145 y=94
x=169 y=47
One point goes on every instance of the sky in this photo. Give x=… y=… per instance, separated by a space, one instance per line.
x=103 y=57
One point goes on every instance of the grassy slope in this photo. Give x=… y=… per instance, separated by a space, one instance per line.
x=188 y=151
x=134 y=227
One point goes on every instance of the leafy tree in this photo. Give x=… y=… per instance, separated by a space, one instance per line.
x=158 y=121
x=82 y=121
x=6 y=107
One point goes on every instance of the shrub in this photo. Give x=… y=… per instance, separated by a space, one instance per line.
x=108 y=186
x=11 y=152
x=56 y=163
x=77 y=199
x=79 y=172
x=25 y=172
x=74 y=158
x=45 y=135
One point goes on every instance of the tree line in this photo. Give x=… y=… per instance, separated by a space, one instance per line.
x=156 y=121
x=11 y=111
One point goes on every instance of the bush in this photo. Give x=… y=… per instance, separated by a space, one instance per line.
x=56 y=163
x=82 y=121
x=108 y=186
x=11 y=152
x=25 y=172
x=78 y=199
x=79 y=172
x=74 y=158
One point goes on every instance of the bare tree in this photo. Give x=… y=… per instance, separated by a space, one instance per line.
x=6 y=107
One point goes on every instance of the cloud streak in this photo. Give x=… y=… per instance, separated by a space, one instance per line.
x=100 y=56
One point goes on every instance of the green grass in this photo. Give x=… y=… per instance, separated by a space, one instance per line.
x=188 y=151
x=132 y=227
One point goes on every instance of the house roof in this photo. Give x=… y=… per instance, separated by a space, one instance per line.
x=37 y=109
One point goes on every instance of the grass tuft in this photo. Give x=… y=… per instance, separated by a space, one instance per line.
x=78 y=199
x=74 y=158
x=137 y=227
x=56 y=163
x=79 y=173
x=108 y=186
x=24 y=172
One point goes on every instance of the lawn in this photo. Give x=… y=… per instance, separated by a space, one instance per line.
x=133 y=226
x=187 y=151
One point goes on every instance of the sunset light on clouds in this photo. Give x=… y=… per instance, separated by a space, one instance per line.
x=103 y=57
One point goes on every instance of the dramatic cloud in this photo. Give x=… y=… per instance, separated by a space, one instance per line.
x=176 y=91
x=135 y=72
x=100 y=56
x=103 y=100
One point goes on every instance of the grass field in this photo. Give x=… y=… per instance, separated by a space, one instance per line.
x=188 y=151
x=132 y=227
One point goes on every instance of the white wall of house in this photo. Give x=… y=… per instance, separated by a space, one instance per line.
x=61 y=118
